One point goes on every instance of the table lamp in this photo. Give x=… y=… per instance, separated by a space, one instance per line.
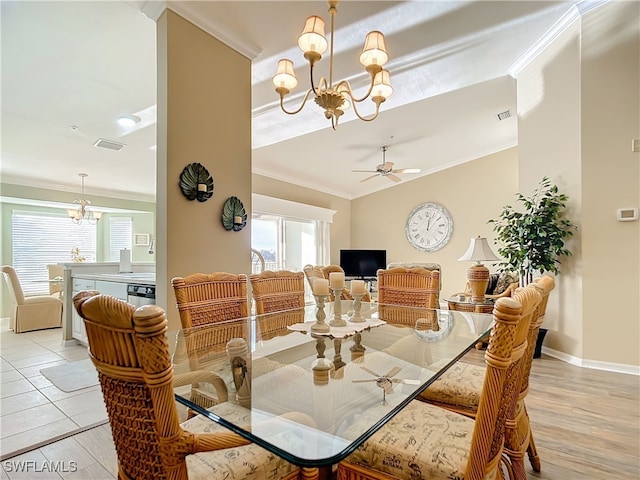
x=478 y=275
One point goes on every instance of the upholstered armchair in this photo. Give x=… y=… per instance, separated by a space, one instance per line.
x=30 y=313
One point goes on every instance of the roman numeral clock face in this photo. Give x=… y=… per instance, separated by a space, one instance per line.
x=429 y=227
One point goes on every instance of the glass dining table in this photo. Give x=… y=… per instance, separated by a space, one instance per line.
x=311 y=390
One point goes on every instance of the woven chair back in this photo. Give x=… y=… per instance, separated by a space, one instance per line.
x=311 y=273
x=414 y=287
x=127 y=349
x=277 y=291
x=504 y=359
x=205 y=298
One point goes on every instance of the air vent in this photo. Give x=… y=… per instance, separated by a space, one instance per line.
x=109 y=145
x=503 y=115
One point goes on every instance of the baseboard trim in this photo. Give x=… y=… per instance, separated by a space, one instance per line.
x=593 y=364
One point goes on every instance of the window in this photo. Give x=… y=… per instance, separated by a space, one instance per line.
x=290 y=235
x=120 y=235
x=39 y=239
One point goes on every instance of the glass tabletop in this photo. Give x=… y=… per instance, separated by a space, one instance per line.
x=313 y=397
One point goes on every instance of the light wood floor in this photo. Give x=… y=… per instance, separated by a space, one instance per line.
x=586 y=425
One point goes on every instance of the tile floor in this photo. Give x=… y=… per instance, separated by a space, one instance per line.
x=32 y=410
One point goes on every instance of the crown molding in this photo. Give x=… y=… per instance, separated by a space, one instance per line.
x=190 y=11
x=95 y=191
x=574 y=13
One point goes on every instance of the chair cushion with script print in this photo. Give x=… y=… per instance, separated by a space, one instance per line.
x=460 y=386
x=246 y=462
x=422 y=441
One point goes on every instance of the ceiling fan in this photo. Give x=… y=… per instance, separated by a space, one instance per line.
x=386 y=381
x=385 y=169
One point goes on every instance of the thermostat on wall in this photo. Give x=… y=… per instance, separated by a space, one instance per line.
x=627 y=214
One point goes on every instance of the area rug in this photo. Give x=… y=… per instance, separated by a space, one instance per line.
x=73 y=375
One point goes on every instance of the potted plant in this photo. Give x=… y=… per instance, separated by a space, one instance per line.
x=532 y=238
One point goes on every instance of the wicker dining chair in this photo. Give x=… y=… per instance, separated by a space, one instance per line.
x=203 y=299
x=277 y=291
x=425 y=441
x=413 y=287
x=459 y=388
x=130 y=350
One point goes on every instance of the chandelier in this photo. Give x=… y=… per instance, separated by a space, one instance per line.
x=335 y=99
x=83 y=212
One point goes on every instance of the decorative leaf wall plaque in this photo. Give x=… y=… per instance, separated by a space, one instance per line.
x=196 y=183
x=233 y=215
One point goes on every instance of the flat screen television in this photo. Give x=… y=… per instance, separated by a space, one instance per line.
x=362 y=263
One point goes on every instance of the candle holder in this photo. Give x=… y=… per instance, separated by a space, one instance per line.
x=357 y=349
x=321 y=367
x=337 y=320
x=357 y=307
x=338 y=364
x=320 y=326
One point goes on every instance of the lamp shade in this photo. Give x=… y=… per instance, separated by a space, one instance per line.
x=381 y=85
x=478 y=251
x=312 y=37
x=285 y=76
x=374 y=51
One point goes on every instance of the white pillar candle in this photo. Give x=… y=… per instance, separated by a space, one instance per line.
x=202 y=187
x=357 y=286
x=237 y=220
x=321 y=286
x=336 y=280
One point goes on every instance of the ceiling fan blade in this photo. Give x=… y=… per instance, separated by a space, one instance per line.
x=393 y=372
x=405 y=381
x=369 y=178
x=365 y=381
x=365 y=171
x=393 y=177
x=406 y=170
x=371 y=372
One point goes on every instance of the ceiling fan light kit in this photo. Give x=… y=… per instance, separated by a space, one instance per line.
x=335 y=99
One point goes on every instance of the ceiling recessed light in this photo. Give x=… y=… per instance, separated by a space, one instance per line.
x=128 y=120
x=73 y=128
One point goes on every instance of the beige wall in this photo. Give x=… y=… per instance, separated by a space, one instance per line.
x=578 y=110
x=548 y=99
x=204 y=116
x=611 y=180
x=340 y=228
x=473 y=192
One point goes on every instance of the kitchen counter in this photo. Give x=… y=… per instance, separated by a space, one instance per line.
x=140 y=278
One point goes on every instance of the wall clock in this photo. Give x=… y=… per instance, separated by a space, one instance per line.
x=429 y=227
x=233 y=215
x=196 y=183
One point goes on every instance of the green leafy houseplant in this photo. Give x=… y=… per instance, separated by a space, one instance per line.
x=534 y=239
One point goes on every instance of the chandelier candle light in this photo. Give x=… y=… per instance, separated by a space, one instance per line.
x=335 y=99
x=478 y=274
x=83 y=212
